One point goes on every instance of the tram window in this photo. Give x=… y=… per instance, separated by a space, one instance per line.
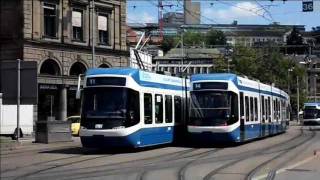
x=168 y=103
x=247 y=108
x=133 y=108
x=251 y=109
x=147 y=108
x=263 y=109
x=269 y=109
x=274 y=110
x=241 y=105
x=158 y=108
x=256 y=109
x=177 y=109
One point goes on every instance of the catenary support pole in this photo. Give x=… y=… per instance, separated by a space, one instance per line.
x=18 y=99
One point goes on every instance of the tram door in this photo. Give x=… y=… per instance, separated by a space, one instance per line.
x=242 y=118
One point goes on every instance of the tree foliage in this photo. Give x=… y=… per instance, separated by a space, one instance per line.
x=268 y=65
x=193 y=38
x=214 y=37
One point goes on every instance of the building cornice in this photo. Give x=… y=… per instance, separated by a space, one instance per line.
x=75 y=48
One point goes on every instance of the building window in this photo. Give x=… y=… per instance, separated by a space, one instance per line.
x=50 y=19
x=103 y=29
x=77 y=24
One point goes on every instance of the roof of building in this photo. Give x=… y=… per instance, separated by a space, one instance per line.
x=192 y=53
x=255 y=33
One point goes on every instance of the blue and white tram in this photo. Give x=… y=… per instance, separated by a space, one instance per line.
x=229 y=108
x=311 y=113
x=129 y=107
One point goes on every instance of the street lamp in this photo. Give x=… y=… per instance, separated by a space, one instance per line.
x=288 y=79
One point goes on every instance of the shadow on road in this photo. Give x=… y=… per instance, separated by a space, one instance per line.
x=89 y=151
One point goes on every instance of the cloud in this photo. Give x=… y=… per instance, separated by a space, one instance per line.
x=142 y=17
x=239 y=11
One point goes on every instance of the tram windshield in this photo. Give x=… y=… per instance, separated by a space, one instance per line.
x=213 y=108
x=311 y=113
x=110 y=107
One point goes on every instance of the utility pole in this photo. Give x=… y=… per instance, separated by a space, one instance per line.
x=298 y=99
x=315 y=87
x=182 y=51
x=93 y=34
x=18 y=98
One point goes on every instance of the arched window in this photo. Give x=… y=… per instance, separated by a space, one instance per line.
x=77 y=68
x=50 y=67
x=104 y=66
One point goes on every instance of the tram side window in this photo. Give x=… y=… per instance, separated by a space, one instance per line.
x=241 y=105
x=256 y=109
x=263 y=109
x=279 y=114
x=251 y=109
x=177 y=109
x=247 y=108
x=134 y=108
x=269 y=109
x=147 y=108
x=168 y=103
x=158 y=109
x=274 y=110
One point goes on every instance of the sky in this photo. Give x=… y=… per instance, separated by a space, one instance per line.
x=226 y=11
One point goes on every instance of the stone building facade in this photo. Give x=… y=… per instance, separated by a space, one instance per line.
x=57 y=34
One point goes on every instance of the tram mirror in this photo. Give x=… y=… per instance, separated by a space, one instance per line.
x=78 y=93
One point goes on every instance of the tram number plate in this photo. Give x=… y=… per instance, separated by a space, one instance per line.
x=98 y=126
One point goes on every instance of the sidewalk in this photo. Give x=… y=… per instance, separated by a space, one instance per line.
x=6 y=143
x=28 y=143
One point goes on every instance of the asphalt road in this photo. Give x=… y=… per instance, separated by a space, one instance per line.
x=291 y=155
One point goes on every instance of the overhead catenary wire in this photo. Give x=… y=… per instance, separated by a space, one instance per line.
x=194 y=14
x=265 y=9
x=245 y=9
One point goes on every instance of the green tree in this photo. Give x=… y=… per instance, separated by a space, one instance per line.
x=214 y=37
x=192 y=38
x=169 y=42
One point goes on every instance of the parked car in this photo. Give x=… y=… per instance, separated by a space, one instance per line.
x=75 y=124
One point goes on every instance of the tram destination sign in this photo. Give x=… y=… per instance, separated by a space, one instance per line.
x=307 y=6
x=101 y=81
x=210 y=85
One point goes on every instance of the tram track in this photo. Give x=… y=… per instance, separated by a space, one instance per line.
x=183 y=159
x=272 y=173
x=144 y=165
x=87 y=159
x=198 y=160
x=141 y=175
x=256 y=153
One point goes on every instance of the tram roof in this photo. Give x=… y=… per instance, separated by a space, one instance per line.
x=312 y=104
x=119 y=71
x=143 y=78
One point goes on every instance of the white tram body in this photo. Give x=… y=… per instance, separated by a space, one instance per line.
x=130 y=107
x=311 y=113
x=228 y=108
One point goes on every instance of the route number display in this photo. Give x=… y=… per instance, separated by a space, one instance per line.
x=307 y=6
